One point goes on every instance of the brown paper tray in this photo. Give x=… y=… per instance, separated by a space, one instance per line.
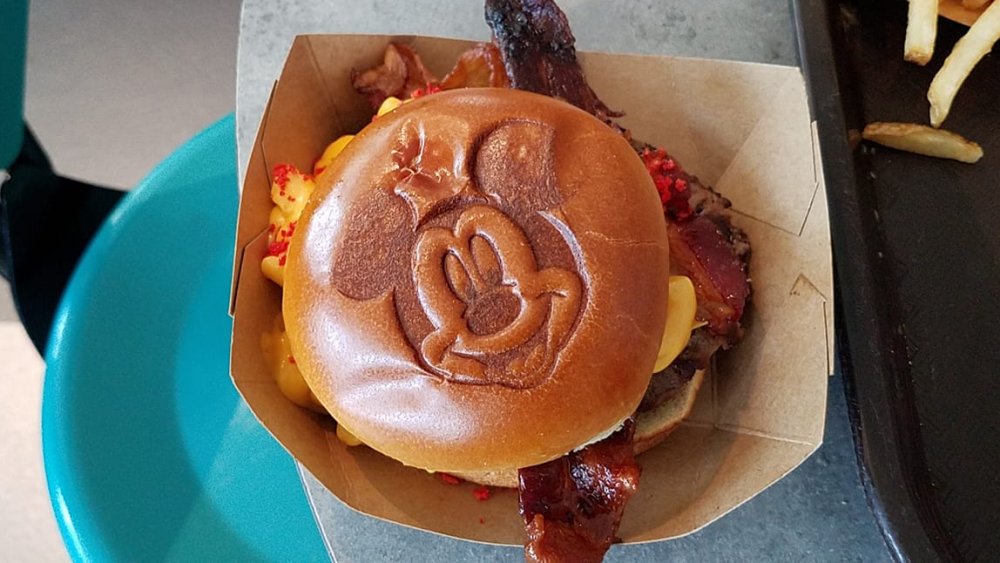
x=744 y=128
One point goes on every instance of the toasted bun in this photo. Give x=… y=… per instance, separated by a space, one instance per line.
x=478 y=284
x=651 y=428
x=506 y=478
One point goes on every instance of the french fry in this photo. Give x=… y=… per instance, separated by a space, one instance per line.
x=974 y=4
x=924 y=140
x=963 y=58
x=921 y=31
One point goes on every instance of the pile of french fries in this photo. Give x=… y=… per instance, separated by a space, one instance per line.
x=921 y=32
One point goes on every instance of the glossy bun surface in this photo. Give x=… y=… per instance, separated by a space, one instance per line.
x=479 y=282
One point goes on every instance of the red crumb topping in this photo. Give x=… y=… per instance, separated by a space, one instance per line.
x=281 y=174
x=482 y=520
x=277 y=248
x=449 y=479
x=481 y=493
x=291 y=360
x=670 y=182
x=431 y=88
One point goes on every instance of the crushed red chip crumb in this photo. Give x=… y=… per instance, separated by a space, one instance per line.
x=449 y=479
x=281 y=174
x=670 y=182
x=481 y=493
x=431 y=88
x=482 y=520
x=277 y=248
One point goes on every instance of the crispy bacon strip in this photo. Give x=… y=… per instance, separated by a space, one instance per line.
x=479 y=67
x=538 y=51
x=572 y=506
x=400 y=73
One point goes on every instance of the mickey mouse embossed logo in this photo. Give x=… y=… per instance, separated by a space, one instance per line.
x=492 y=290
x=463 y=278
x=497 y=317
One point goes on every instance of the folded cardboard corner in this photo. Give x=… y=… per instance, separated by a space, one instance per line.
x=744 y=128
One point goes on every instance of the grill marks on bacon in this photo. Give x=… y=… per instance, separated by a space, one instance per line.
x=572 y=506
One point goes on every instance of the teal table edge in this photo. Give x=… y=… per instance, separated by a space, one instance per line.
x=174 y=467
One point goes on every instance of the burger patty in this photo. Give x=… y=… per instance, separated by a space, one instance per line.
x=666 y=384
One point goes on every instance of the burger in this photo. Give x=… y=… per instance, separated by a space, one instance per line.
x=495 y=282
x=458 y=295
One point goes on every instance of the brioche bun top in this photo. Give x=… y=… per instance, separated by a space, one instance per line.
x=479 y=282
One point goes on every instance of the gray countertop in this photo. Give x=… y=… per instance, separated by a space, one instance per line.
x=742 y=30
x=818 y=512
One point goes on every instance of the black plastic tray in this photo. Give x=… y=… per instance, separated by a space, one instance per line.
x=917 y=263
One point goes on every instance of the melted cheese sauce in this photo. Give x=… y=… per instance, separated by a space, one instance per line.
x=681 y=307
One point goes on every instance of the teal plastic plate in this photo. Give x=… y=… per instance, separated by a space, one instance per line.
x=150 y=454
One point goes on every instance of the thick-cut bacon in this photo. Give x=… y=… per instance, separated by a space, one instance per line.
x=572 y=506
x=400 y=74
x=709 y=241
x=704 y=244
x=538 y=51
